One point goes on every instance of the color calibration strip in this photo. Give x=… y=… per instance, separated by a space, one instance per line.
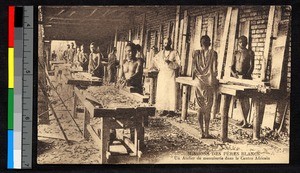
x=20 y=61
x=10 y=145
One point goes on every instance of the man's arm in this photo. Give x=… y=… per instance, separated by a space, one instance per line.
x=90 y=64
x=250 y=71
x=98 y=61
x=194 y=65
x=233 y=70
x=215 y=64
x=175 y=64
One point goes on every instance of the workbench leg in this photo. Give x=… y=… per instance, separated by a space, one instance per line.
x=259 y=111
x=184 y=102
x=224 y=117
x=214 y=106
x=104 y=147
x=75 y=105
x=152 y=91
x=86 y=121
x=138 y=139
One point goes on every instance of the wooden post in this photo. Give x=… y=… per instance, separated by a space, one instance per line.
x=130 y=35
x=190 y=58
x=145 y=48
x=160 y=38
x=180 y=38
x=116 y=38
x=184 y=102
x=215 y=35
x=277 y=20
x=256 y=120
x=224 y=117
x=104 y=139
x=138 y=135
x=267 y=42
x=210 y=30
x=152 y=90
x=177 y=23
x=215 y=105
x=75 y=105
x=224 y=41
x=86 y=121
x=143 y=30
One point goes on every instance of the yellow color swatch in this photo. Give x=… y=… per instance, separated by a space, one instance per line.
x=11 y=65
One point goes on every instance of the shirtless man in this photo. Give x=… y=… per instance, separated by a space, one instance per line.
x=94 y=61
x=242 y=68
x=132 y=68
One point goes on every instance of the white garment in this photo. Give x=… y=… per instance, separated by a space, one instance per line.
x=166 y=95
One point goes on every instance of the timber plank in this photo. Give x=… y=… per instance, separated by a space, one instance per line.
x=223 y=42
x=231 y=42
x=267 y=42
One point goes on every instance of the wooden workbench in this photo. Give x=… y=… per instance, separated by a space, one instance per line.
x=82 y=79
x=227 y=91
x=112 y=118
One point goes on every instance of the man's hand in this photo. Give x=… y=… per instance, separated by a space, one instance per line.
x=236 y=75
x=167 y=61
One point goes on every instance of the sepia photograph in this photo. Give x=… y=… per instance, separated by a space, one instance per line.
x=164 y=84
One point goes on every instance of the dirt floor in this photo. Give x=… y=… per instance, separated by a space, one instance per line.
x=166 y=141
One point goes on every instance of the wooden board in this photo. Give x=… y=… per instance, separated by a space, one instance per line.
x=145 y=46
x=173 y=34
x=184 y=43
x=267 y=42
x=214 y=40
x=198 y=31
x=130 y=35
x=269 y=116
x=223 y=42
x=277 y=20
x=231 y=42
x=180 y=38
x=278 y=49
x=187 y=81
x=142 y=30
x=177 y=23
x=160 y=38
x=210 y=30
x=190 y=59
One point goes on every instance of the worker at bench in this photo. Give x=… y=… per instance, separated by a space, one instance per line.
x=132 y=69
x=205 y=73
x=242 y=68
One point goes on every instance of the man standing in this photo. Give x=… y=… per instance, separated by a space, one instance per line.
x=112 y=66
x=72 y=52
x=83 y=58
x=132 y=72
x=242 y=68
x=167 y=62
x=94 y=61
x=67 y=54
x=205 y=73
x=53 y=56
